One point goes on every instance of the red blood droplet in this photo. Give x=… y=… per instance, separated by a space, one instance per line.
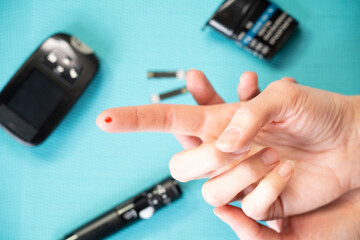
x=108 y=119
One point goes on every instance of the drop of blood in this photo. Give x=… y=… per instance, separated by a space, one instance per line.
x=108 y=120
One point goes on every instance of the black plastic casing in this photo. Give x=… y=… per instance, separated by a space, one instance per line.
x=236 y=18
x=129 y=212
x=71 y=47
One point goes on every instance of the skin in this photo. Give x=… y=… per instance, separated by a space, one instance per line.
x=337 y=220
x=315 y=133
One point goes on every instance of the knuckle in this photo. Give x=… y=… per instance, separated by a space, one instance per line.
x=168 y=119
x=212 y=195
x=279 y=85
x=249 y=172
x=216 y=157
x=286 y=90
x=284 y=87
x=288 y=79
x=246 y=113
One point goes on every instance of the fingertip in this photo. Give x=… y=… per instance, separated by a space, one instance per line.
x=196 y=81
x=243 y=226
x=248 y=86
x=224 y=213
x=201 y=89
x=175 y=170
x=249 y=76
x=270 y=156
x=249 y=79
x=263 y=203
x=219 y=211
x=191 y=73
x=286 y=169
x=104 y=120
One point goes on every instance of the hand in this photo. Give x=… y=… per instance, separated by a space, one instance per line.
x=337 y=220
x=314 y=183
x=315 y=129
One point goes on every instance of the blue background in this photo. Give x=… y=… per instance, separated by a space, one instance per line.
x=79 y=171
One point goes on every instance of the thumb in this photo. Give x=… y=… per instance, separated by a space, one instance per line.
x=243 y=226
x=272 y=105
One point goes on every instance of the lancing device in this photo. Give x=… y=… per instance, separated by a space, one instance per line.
x=139 y=207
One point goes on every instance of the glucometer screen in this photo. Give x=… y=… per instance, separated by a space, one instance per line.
x=36 y=99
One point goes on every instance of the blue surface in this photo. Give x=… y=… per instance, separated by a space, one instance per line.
x=80 y=171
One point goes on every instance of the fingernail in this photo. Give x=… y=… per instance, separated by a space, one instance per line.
x=286 y=169
x=228 y=138
x=242 y=150
x=269 y=157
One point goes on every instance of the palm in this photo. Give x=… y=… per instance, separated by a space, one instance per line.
x=320 y=224
x=312 y=185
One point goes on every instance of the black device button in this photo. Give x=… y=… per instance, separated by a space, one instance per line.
x=66 y=61
x=65 y=67
x=60 y=69
x=73 y=71
x=53 y=58
x=76 y=66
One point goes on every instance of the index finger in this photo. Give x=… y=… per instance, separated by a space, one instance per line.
x=181 y=119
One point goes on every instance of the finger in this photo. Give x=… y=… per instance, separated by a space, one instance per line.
x=221 y=189
x=240 y=196
x=155 y=117
x=246 y=152
x=263 y=203
x=180 y=119
x=204 y=94
x=248 y=86
x=188 y=142
x=193 y=163
x=243 y=226
x=274 y=104
x=201 y=89
x=224 y=168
